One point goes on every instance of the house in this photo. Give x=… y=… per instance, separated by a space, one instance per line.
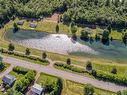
x=21 y=22
x=36 y=89
x=8 y=79
x=33 y=25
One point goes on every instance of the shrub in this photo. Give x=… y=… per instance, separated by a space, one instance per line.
x=124 y=92
x=89 y=66
x=114 y=71
x=44 y=55
x=20 y=70
x=2 y=65
x=27 y=52
x=58 y=88
x=119 y=79
x=88 y=89
x=69 y=67
x=11 y=47
x=69 y=61
x=24 y=82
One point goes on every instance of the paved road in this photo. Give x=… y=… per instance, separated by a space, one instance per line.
x=63 y=74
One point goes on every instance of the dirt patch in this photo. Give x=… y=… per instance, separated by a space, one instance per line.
x=54 y=17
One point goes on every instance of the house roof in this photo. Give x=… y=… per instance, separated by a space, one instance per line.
x=8 y=79
x=37 y=89
x=20 y=22
x=33 y=25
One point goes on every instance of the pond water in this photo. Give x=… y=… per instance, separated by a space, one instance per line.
x=62 y=44
x=57 y=43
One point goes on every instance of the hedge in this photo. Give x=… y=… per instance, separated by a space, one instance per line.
x=116 y=78
x=70 y=67
x=20 y=70
x=24 y=56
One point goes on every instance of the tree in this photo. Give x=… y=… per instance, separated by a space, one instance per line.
x=125 y=38
x=114 y=71
x=16 y=28
x=74 y=37
x=124 y=92
x=27 y=52
x=13 y=92
x=11 y=47
x=44 y=55
x=57 y=28
x=69 y=61
x=73 y=28
x=109 y=28
x=97 y=37
x=107 y=3
x=2 y=65
x=88 y=66
x=105 y=36
x=88 y=89
x=84 y=35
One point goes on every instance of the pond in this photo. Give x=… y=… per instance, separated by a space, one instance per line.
x=62 y=44
x=57 y=43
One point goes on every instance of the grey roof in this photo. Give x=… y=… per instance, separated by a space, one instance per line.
x=21 y=22
x=33 y=25
x=9 y=79
x=37 y=89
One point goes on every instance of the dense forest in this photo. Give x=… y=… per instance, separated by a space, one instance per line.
x=101 y=12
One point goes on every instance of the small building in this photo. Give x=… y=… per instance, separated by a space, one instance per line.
x=36 y=89
x=20 y=22
x=33 y=25
x=8 y=79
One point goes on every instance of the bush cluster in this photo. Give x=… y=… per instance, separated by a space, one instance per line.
x=22 y=83
x=23 y=56
x=20 y=70
x=58 y=88
x=70 y=67
x=116 y=78
x=2 y=65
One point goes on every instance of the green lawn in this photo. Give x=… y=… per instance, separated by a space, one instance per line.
x=72 y=88
x=43 y=78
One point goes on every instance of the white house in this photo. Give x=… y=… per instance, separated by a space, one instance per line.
x=36 y=89
x=8 y=79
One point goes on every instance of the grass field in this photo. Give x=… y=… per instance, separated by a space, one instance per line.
x=72 y=88
x=43 y=78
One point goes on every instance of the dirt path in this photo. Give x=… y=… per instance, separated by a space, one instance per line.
x=63 y=74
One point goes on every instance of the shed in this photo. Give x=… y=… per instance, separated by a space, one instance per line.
x=33 y=25
x=20 y=22
x=8 y=79
x=37 y=89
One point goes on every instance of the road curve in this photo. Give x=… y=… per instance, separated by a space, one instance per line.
x=63 y=74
